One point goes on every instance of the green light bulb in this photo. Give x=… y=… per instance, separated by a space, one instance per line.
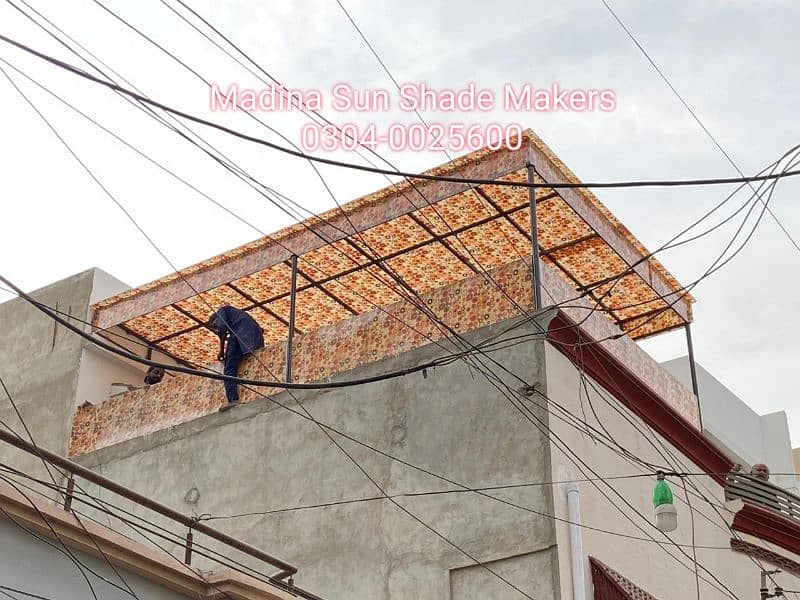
x=662 y=494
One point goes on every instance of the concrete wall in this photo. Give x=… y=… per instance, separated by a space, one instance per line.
x=50 y=370
x=39 y=364
x=749 y=437
x=663 y=571
x=99 y=369
x=260 y=457
x=796 y=457
x=43 y=568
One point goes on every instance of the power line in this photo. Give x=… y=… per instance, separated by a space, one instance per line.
x=423 y=176
x=198 y=75
x=377 y=257
x=693 y=114
x=483 y=201
x=78 y=497
x=716 y=265
x=725 y=526
x=379 y=263
x=50 y=474
x=214 y=157
x=195 y=74
x=446 y=479
x=345 y=452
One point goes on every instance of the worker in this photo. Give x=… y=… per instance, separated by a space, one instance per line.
x=239 y=335
x=153 y=375
x=760 y=471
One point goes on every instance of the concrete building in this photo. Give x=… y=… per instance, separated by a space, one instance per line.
x=50 y=552
x=746 y=436
x=486 y=449
x=49 y=371
x=796 y=457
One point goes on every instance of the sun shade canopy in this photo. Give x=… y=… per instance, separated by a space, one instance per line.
x=408 y=239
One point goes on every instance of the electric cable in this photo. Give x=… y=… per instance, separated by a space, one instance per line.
x=337 y=432
x=488 y=495
x=725 y=527
x=110 y=507
x=420 y=305
x=423 y=176
x=155 y=529
x=73 y=107
x=717 y=265
x=50 y=474
x=693 y=114
x=330 y=437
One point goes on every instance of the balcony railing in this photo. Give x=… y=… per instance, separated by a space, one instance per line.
x=189 y=544
x=764 y=493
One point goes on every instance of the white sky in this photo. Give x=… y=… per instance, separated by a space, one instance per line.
x=732 y=61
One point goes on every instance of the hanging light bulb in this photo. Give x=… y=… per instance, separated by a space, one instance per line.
x=666 y=515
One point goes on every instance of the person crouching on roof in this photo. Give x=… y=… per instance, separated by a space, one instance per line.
x=239 y=335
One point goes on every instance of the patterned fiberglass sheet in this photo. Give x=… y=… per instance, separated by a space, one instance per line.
x=404 y=246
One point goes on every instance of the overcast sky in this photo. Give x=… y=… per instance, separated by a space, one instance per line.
x=732 y=61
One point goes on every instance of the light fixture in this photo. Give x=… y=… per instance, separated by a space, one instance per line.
x=666 y=515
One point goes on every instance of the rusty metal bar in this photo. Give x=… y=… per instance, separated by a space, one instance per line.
x=569 y=244
x=70 y=491
x=372 y=261
x=89 y=475
x=187 y=557
x=255 y=304
x=292 y=302
x=327 y=292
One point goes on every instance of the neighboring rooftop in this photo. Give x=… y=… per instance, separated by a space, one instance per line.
x=748 y=437
x=350 y=314
x=431 y=234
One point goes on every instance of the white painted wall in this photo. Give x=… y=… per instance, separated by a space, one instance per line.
x=98 y=370
x=661 y=570
x=35 y=566
x=105 y=285
x=749 y=437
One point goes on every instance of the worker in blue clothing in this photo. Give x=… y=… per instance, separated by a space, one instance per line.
x=239 y=335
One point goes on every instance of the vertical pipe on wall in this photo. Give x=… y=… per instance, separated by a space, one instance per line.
x=576 y=543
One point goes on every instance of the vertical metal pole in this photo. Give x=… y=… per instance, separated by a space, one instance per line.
x=290 y=339
x=187 y=558
x=692 y=368
x=535 y=266
x=69 y=493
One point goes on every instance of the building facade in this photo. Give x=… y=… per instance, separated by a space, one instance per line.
x=503 y=433
x=749 y=438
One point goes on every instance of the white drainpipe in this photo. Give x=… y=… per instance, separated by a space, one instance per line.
x=576 y=543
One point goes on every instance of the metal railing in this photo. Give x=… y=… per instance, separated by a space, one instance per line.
x=193 y=525
x=764 y=493
x=605 y=588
